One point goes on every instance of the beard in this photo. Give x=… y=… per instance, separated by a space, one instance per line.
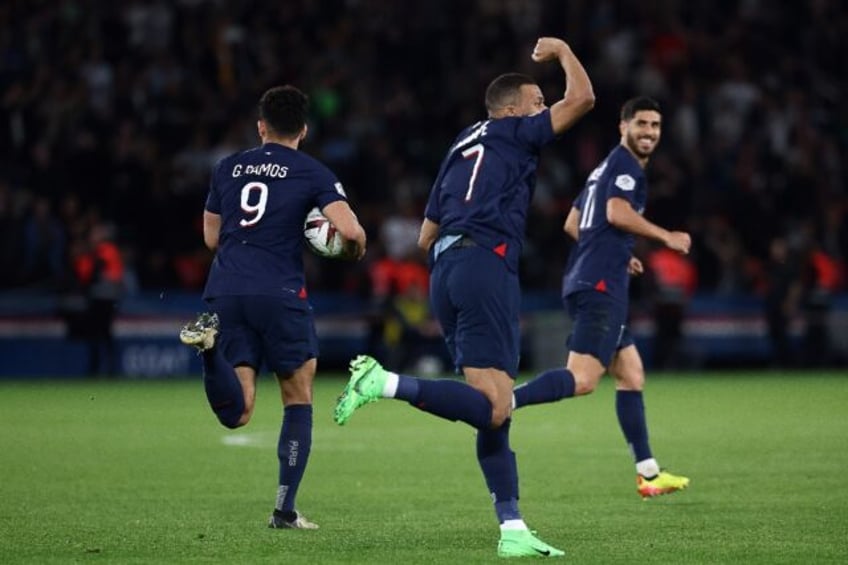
x=633 y=145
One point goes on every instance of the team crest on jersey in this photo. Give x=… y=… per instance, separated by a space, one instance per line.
x=625 y=182
x=340 y=189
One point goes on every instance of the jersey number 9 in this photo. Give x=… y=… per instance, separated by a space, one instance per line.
x=256 y=210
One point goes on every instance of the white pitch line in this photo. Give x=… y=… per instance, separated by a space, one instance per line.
x=255 y=439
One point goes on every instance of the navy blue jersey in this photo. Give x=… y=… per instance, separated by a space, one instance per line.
x=263 y=196
x=602 y=253
x=486 y=182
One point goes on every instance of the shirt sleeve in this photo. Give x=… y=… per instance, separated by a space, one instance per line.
x=536 y=131
x=329 y=188
x=622 y=181
x=213 y=199
x=432 y=211
x=579 y=201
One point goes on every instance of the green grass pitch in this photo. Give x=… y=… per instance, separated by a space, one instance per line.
x=141 y=472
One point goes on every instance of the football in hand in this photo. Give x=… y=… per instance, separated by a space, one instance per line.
x=323 y=238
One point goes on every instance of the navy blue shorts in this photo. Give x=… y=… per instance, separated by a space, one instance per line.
x=477 y=301
x=599 y=325
x=277 y=330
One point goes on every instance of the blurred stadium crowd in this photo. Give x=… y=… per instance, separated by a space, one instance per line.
x=112 y=114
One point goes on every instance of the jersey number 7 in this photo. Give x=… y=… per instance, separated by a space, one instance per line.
x=476 y=151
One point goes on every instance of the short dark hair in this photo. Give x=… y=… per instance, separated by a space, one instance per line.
x=284 y=110
x=638 y=104
x=504 y=90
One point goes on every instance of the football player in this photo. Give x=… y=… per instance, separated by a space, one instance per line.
x=474 y=230
x=256 y=289
x=604 y=220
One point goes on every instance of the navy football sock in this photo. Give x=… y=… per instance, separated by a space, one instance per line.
x=631 y=417
x=452 y=400
x=293 y=449
x=550 y=386
x=407 y=388
x=223 y=389
x=500 y=471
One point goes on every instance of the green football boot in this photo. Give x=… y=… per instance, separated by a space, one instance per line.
x=367 y=378
x=522 y=543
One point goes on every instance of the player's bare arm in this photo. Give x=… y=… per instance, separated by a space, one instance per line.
x=211 y=229
x=571 y=227
x=429 y=233
x=579 y=97
x=622 y=215
x=345 y=221
x=572 y=223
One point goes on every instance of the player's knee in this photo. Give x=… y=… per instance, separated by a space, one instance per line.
x=584 y=383
x=635 y=381
x=299 y=396
x=498 y=418
x=232 y=423
x=297 y=388
x=232 y=420
x=500 y=414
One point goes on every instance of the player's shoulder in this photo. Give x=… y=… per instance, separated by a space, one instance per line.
x=471 y=133
x=304 y=161
x=481 y=125
x=525 y=132
x=511 y=124
x=314 y=163
x=620 y=159
x=623 y=169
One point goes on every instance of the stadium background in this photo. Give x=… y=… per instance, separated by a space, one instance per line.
x=111 y=115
